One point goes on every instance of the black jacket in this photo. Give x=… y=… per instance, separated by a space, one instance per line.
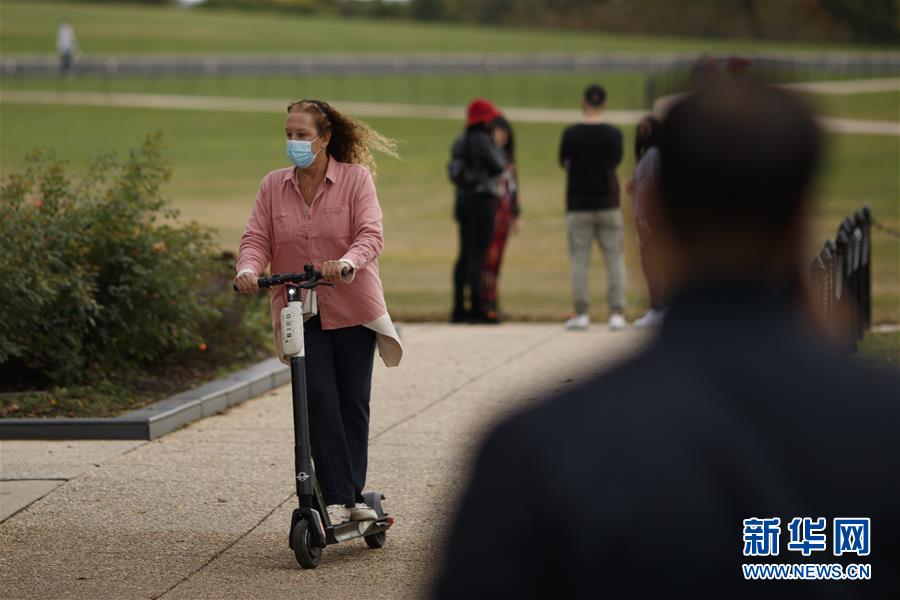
x=475 y=152
x=637 y=483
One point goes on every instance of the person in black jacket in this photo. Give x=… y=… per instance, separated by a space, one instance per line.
x=679 y=473
x=474 y=167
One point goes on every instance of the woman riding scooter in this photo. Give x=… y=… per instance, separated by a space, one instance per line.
x=324 y=210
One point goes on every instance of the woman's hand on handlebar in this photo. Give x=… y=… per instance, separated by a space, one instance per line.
x=335 y=270
x=246 y=283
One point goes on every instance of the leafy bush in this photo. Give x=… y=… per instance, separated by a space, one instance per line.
x=97 y=277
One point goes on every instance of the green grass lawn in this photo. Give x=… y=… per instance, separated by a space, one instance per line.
x=625 y=90
x=29 y=27
x=880 y=349
x=220 y=157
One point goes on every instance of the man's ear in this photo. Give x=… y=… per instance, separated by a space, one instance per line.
x=662 y=245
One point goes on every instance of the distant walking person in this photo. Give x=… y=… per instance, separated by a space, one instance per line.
x=642 y=186
x=66 y=46
x=590 y=152
x=506 y=218
x=475 y=164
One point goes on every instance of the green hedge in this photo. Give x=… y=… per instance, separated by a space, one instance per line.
x=97 y=277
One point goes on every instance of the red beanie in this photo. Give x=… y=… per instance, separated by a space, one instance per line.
x=481 y=110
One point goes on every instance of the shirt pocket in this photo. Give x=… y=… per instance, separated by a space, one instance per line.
x=334 y=226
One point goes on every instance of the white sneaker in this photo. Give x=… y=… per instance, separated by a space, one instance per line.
x=653 y=318
x=617 y=322
x=362 y=512
x=578 y=322
x=338 y=513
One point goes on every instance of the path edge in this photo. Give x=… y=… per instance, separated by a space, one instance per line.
x=162 y=417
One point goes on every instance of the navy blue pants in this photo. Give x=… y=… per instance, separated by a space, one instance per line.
x=339 y=384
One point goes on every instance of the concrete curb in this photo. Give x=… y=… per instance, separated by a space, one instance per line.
x=159 y=418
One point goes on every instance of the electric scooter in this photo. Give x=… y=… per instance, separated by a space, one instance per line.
x=311 y=530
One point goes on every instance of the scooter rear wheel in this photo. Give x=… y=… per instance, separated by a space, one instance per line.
x=376 y=540
x=307 y=555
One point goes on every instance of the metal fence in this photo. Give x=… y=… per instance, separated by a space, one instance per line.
x=634 y=81
x=841 y=276
x=344 y=64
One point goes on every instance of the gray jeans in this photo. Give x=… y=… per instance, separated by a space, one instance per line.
x=583 y=228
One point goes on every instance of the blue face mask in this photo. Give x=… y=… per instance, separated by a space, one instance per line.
x=300 y=152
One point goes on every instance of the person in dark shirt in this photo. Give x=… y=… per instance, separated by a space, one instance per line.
x=475 y=164
x=671 y=474
x=590 y=152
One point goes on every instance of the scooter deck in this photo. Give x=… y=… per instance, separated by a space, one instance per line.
x=357 y=529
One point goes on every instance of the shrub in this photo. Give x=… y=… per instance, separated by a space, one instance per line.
x=97 y=276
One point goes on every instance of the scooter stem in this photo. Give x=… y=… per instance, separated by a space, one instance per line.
x=302 y=450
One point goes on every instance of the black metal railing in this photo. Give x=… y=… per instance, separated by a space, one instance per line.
x=841 y=277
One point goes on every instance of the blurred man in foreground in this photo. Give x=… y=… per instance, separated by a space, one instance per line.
x=671 y=474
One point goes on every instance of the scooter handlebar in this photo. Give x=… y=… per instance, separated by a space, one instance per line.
x=310 y=277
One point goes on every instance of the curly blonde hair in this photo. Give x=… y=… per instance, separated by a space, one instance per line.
x=352 y=141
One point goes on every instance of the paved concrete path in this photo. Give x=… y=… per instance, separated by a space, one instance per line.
x=848 y=86
x=264 y=105
x=203 y=512
x=376 y=109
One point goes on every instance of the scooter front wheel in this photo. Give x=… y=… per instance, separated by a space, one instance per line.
x=307 y=554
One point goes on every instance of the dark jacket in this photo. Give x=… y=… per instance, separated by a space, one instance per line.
x=637 y=483
x=475 y=152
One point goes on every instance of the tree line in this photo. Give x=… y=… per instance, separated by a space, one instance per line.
x=866 y=21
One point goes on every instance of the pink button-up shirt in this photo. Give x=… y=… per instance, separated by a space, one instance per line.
x=342 y=223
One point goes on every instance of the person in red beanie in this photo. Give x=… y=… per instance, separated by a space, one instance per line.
x=475 y=164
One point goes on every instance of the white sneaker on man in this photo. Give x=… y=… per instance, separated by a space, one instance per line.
x=338 y=513
x=578 y=322
x=362 y=512
x=653 y=318
x=617 y=322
